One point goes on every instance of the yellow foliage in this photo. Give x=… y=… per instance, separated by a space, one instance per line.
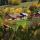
x=6 y=10
x=28 y=11
x=0 y=11
x=38 y=5
x=12 y=10
x=18 y=10
x=34 y=4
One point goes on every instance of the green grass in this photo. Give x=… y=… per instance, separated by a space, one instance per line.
x=1 y=21
x=23 y=23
